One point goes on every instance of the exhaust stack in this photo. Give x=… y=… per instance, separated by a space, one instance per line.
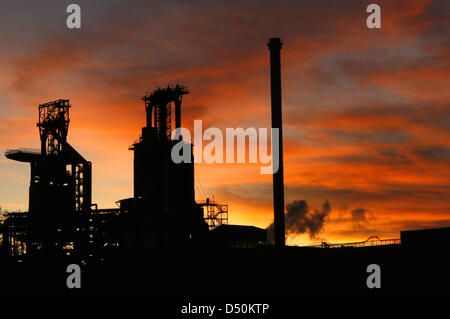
x=274 y=45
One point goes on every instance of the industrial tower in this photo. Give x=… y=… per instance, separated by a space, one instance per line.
x=164 y=192
x=60 y=191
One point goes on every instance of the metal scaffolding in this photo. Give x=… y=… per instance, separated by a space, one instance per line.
x=60 y=189
x=159 y=109
x=215 y=214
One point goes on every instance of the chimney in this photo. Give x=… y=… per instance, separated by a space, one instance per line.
x=274 y=45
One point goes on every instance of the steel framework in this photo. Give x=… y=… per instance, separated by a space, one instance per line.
x=159 y=109
x=53 y=126
x=215 y=214
x=371 y=241
x=60 y=188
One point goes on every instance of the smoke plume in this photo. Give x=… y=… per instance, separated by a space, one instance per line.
x=359 y=216
x=299 y=219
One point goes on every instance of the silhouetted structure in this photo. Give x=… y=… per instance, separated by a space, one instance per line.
x=216 y=214
x=423 y=238
x=278 y=179
x=62 y=219
x=164 y=192
x=369 y=242
x=60 y=187
x=238 y=236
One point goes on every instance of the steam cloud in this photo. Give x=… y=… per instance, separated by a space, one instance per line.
x=359 y=216
x=299 y=219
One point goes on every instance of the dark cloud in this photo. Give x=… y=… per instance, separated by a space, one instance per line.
x=344 y=159
x=383 y=157
x=359 y=214
x=385 y=136
x=393 y=157
x=394 y=192
x=436 y=153
x=359 y=217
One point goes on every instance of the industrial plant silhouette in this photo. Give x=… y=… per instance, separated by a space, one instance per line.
x=162 y=244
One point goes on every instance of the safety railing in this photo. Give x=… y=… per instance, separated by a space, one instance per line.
x=23 y=151
x=371 y=241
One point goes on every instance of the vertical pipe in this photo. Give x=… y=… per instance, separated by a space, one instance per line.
x=178 y=112
x=149 y=111
x=274 y=45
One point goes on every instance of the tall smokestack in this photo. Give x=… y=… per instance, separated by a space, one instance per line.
x=274 y=45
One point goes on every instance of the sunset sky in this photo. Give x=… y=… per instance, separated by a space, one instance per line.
x=365 y=111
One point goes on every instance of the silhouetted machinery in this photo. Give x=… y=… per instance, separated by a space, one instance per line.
x=60 y=187
x=61 y=217
x=164 y=205
x=162 y=213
